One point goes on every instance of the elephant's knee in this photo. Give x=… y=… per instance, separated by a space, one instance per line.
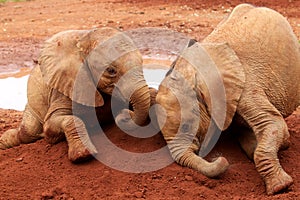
x=286 y=139
x=80 y=145
x=73 y=125
x=279 y=134
x=68 y=121
x=30 y=129
x=53 y=133
x=27 y=135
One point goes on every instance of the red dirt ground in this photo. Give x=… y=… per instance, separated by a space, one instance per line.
x=43 y=171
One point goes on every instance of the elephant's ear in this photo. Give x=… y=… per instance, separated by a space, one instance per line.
x=63 y=66
x=233 y=77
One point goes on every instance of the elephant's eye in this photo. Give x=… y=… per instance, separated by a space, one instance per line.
x=111 y=70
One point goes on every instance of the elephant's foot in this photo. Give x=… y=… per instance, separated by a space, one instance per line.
x=267 y=164
x=278 y=182
x=9 y=139
x=3 y=145
x=80 y=153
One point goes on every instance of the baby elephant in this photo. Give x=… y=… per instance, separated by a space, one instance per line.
x=77 y=72
x=245 y=73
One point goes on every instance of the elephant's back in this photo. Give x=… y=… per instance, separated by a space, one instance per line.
x=38 y=94
x=269 y=51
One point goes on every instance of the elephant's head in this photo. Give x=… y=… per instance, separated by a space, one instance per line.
x=85 y=64
x=198 y=99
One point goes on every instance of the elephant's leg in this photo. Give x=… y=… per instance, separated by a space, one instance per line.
x=271 y=134
x=266 y=160
x=29 y=131
x=248 y=142
x=80 y=145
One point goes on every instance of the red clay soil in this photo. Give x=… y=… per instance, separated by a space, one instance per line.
x=43 y=171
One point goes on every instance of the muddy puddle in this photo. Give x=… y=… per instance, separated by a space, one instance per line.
x=15 y=73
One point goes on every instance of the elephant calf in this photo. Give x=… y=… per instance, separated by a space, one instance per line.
x=77 y=72
x=246 y=73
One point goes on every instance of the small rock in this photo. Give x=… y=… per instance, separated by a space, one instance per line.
x=188 y=178
x=17 y=6
x=138 y=194
x=19 y=159
x=188 y=30
x=47 y=195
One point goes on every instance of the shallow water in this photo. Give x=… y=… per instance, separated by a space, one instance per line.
x=17 y=73
x=154 y=77
x=13 y=85
x=13 y=93
x=155 y=71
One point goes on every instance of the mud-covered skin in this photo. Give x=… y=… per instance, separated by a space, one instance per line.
x=74 y=80
x=259 y=72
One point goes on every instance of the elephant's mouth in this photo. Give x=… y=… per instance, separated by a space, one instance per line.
x=107 y=89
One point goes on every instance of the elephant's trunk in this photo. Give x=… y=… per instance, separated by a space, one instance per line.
x=140 y=101
x=182 y=134
x=183 y=148
x=186 y=156
x=135 y=89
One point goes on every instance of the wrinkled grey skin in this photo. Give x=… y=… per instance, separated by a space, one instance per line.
x=73 y=78
x=258 y=57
